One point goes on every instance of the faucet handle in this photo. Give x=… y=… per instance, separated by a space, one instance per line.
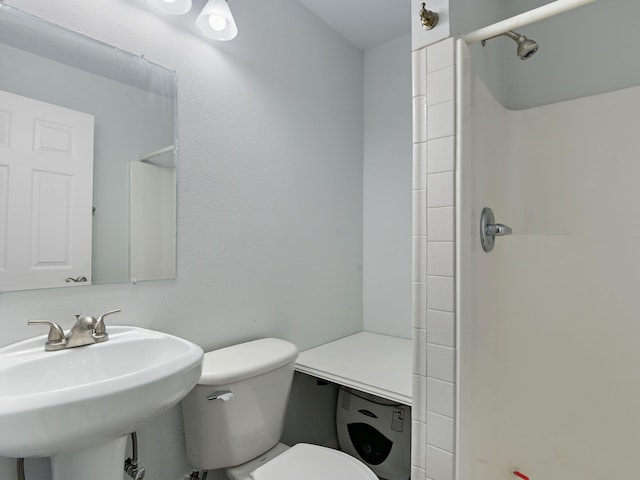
x=56 y=334
x=100 y=329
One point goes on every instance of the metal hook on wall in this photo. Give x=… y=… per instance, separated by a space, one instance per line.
x=429 y=19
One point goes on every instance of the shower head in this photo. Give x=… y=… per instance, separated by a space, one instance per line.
x=526 y=47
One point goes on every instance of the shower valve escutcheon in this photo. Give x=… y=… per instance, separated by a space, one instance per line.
x=489 y=229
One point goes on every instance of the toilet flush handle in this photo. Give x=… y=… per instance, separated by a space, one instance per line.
x=224 y=395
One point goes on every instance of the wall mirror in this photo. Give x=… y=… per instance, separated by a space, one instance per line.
x=87 y=160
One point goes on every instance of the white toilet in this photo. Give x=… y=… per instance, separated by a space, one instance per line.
x=233 y=419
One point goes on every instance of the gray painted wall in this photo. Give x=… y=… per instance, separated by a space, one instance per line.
x=269 y=191
x=387 y=194
x=469 y=15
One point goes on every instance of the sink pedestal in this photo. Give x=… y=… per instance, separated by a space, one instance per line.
x=104 y=461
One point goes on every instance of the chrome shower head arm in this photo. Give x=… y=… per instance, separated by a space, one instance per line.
x=511 y=34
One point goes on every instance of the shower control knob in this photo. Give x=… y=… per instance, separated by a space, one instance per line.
x=489 y=229
x=497 y=229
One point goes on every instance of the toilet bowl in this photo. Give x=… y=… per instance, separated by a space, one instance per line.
x=302 y=461
x=234 y=416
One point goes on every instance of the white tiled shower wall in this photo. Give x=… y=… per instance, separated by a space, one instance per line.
x=433 y=441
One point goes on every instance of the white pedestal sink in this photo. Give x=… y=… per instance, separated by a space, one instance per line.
x=77 y=406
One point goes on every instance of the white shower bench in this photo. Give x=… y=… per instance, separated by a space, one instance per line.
x=369 y=362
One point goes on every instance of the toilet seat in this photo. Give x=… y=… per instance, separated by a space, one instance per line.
x=312 y=462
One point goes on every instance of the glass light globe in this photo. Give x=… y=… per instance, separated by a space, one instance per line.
x=217 y=22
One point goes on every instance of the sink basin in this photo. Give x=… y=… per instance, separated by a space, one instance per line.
x=63 y=403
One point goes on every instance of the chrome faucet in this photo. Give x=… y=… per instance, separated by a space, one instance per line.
x=86 y=331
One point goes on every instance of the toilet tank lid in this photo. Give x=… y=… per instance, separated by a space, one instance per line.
x=246 y=360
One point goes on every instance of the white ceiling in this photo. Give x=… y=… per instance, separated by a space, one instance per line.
x=365 y=23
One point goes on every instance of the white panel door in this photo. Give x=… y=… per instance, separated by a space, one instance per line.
x=46 y=194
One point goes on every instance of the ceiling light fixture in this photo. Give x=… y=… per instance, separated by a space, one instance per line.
x=171 y=7
x=216 y=21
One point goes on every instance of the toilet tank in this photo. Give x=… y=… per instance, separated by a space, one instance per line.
x=236 y=411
